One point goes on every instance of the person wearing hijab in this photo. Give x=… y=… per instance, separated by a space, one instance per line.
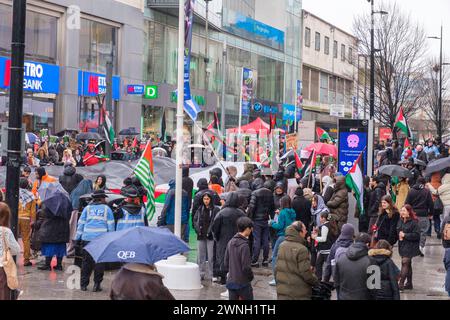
x=318 y=206
x=327 y=188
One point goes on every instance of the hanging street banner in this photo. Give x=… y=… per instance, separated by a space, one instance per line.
x=247 y=87
x=299 y=101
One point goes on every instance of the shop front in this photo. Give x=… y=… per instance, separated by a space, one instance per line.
x=41 y=89
x=91 y=92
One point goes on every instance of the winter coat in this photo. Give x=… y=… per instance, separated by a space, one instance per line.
x=409 y=246
x=168 y=211
x=130 y=215
x=387 y=227
x=224 y=228
x=245 y=191
x=276 y=200
x=375 y=199
x=247 y=175
x=447 y=267
x=138 y=282
x=293 y=273
x=420 y=199
x=238 y=261
x=202 y=221
x=444 y=190
x=331 y=260
x=285 y=219
x=338 y=203
x=328 y=193
x=389 y=274
x=70 y=179
x=37 y=183
x=350 y=274
x=84 y=187
x=52 y=229
x=202 y=186
x=261 y=206
x=397 y=155
x=302 y=208
x=402 y=190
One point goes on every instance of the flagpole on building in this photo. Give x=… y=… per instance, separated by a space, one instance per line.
x=180 y=119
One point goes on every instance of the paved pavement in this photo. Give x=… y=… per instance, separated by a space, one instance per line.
x=428 y=279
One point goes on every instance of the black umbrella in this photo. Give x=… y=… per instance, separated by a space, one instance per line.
x=128 y=132
x=438 y=165
x=66 y=131
x=89 y=136
x=395 y=171
x=419 y=162
x=58 y=204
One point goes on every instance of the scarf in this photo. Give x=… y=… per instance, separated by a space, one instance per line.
x=25 y=196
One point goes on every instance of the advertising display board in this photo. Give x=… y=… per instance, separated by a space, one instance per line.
x=353 y=138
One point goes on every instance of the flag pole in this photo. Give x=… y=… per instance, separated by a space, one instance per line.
x=180 y=118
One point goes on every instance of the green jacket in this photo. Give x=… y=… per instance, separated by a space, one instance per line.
x=293 y=273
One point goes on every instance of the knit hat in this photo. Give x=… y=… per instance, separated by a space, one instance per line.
x=347 y=232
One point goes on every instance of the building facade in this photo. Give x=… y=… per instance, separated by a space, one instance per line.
x=329 y=71
x=68 y=45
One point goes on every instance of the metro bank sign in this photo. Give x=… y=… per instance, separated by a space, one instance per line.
x=37 y=76
x=93 y=84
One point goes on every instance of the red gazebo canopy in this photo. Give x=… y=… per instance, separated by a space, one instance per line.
x=255 y=126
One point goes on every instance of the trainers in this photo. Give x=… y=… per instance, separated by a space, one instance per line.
x=272 y=283
x=225 y=294
x=255 y=264
x=422 y=253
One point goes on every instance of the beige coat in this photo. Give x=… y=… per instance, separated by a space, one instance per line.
x=444 y=190
x=401 y=190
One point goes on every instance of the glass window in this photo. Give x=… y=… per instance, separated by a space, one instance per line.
x=40 y=34
x=343 y=52
x=314 y=94
x=350 y=55
x=335 y=49
x=305 y=82
x=332 y=93
x=317 y=41
x=307 y=37
x=340 y=91
x=98 y=45
x=327 y=45
x=270 y=83
x=324 y=88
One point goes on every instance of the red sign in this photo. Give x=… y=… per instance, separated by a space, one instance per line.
x=385 y=134
x=93 y=84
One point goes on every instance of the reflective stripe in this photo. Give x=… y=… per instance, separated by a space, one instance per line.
x=92 y=230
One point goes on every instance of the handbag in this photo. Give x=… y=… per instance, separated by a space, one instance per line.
x=438 y=205
x=9 y=266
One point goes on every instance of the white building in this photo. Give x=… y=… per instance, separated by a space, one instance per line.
x=329 y=71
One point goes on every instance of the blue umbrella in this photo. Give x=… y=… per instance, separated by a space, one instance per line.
x=31 y=137
x=145 y=245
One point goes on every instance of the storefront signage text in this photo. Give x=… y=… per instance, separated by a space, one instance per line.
x=199 y=99
x=151 y=92
x=38 y=77
x=93 y=84
x=135 y=89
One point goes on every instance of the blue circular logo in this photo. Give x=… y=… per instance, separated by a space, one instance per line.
x=257 y=107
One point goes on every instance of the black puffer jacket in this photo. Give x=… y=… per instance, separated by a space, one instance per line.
x=420 y=199
x=244 y=190
x=202 y=186
x=202 y=221
x=375 y=199
x=224 y=228
x=70 y=179
x=261 y=206
x=389 y=272
x=302 y=208
x=409 y=246
x=277 y=197
x=51 y=229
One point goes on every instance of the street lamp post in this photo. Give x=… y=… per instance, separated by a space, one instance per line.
x=206 y=55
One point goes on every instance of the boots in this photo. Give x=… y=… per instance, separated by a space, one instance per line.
x=46 y=266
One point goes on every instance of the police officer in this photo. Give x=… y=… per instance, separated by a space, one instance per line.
x=96 y=219
x=131 y=213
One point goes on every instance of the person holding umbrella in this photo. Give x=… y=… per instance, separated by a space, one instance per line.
x=96 y=219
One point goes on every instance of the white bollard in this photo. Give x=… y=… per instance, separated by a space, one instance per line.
x=179 y=274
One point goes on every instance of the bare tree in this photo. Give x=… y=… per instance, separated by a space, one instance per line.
x=430 y=97
x=399 y=63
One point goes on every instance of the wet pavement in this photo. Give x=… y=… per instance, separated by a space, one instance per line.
x=428 y=281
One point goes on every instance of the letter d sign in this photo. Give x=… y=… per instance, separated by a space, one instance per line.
x=151 y=92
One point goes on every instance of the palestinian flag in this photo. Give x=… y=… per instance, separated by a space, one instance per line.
x=401 y=123
x=144 y=172
x=309 y=165
x=298 y=163
x=107 y=126
x=407 y=144
x=354 y=180
x=322 y=134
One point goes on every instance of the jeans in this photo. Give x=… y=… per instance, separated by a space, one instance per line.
x=437 y=225
x=275 y=252
x=261 y=240
x=424 y=223
x=321 y=259
x=205 y=258
x=245 y=293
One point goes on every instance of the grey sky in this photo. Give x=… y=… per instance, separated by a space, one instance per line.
x=429 y=13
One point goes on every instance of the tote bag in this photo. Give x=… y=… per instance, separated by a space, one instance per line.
x=9 y=266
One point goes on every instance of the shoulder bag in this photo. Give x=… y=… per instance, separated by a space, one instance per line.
x=9 y=266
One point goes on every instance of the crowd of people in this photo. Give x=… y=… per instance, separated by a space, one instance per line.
x=259 y=219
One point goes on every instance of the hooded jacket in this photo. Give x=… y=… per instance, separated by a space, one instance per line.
x=375 y=199
x=202 y=221
x=350 y=274
x=224 y=228
x=238 y=261
x=261 y=206
x=420 y=199
x=138 y=282
x=244 y=190
x=338 y=203
x=285 y=219
x=389 y=272
x=293 y=273
x=168 y=211
x=302 y=208
x=70 y=179
x=202 y=186
x=444 y=190
x=277 y=197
